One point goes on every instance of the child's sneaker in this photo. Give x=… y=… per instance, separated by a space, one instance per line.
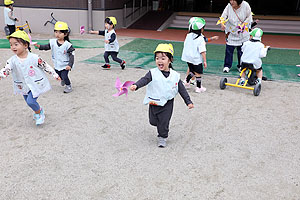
x=199 y=90
x=106 y=66
x=123 y=64
x=68 y=89
x=186 y=85
x=226 y=70
x=62 y=83
x=193 y=81
x=42 y=111
x=39 y=118
x=162 y=142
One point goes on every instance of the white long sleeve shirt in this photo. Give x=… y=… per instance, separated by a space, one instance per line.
x=28 y=74
x=236 y=17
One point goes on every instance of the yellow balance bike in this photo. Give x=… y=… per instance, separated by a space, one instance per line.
x=256 y=89
x=24 y=27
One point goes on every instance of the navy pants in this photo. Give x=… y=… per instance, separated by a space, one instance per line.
x=12 y=28
x=229 y=55
x=114 y=56
x=63 y=74
x=160 y=117
x=31 y=102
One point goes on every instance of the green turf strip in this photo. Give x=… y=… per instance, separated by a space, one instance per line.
x=4 y=44
x=278 y=65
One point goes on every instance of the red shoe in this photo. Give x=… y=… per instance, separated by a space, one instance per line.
x=106 y=66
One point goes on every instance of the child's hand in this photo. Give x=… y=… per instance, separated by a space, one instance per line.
x=68 y=68
x=205 y=64
x=223 y=27
x=191 y=106
x=56 y=76
x=2 y=75
x=133 y=87
x=106 y=41
x=93 y=32
x=214 y=37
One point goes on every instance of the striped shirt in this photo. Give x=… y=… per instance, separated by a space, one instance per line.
x=236 y=17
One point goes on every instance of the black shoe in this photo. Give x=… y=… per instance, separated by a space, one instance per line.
x=123 y=64
x=264 y=78
x=106 y=66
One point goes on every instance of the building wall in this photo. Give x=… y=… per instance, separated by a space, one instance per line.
x=75 y=18
x=71 y=4
x=58 y=4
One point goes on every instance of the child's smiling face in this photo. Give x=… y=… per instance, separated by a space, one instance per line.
x=162 y=61
x=17 y=47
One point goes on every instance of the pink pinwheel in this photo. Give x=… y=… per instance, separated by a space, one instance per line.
x=242 y=28
x=82 y=30
x=122 y=88
x=31 y=43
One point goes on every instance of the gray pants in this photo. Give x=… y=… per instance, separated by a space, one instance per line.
x=160 y=117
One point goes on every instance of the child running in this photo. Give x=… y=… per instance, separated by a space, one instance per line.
x=27 y=71
x=111 y=43
x=163 y=84
x=253 y=50
x=9 y=19
x=194 y=52
x=192 y=81
x=62 y=53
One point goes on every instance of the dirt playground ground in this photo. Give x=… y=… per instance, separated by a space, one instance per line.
x=231 y=146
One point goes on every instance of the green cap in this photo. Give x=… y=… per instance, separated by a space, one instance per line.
x=257 y=33
x=196 y=23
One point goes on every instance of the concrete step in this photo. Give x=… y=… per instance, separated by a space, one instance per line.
x=270 y=26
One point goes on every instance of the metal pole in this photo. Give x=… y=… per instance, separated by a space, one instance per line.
x=298 y=4
x=90 y=15
x=133 y=5
x=125 y=15
x=141 y=7
x=147 y=5
x=211 y=5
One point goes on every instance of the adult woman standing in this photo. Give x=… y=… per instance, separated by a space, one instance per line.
x=237 y=12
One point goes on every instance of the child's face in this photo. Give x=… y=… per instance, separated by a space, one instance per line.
x=108 y=26
x=59 y=35
x=17 y=47
x=162 y=61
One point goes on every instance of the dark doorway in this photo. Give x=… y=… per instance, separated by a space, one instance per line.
x=261 y=7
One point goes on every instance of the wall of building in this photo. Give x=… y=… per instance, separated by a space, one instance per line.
x=75 y=18
x=74 y=12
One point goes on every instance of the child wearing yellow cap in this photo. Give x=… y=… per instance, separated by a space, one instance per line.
x=9 y=19
x=28 y=73
x=111 y=43
x=62 y=53
x=163 y=84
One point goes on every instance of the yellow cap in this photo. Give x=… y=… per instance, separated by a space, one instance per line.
x=61 y=26
x=8 y=2
x=20 y=34
x=113 y=20
x=167 y=48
